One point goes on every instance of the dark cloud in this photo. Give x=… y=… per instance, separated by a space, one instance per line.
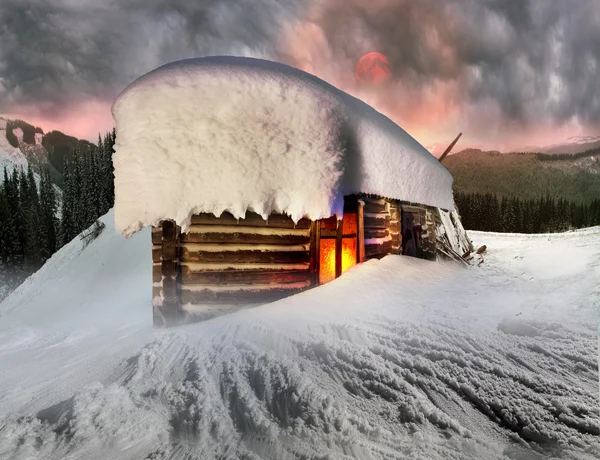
x=496 y=63
x=56 y=52
x=532 y=59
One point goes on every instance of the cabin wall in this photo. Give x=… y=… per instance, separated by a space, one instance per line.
x=378 y=227
x=224 y=262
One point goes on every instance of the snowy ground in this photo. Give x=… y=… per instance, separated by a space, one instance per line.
x=399 y=358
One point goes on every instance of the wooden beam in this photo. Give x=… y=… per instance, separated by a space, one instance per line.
x=450 y=147
x=189 y=254
x=167 y=311
x=360 y=229
x=317 y=252
x=338 y=248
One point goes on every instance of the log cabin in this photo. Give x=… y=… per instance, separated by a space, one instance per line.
x=260 y=181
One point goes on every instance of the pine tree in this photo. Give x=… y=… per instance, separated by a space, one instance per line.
x=67 y=222
x=49 y=206
x=79 y=212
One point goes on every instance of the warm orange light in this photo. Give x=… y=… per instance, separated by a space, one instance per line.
x=327 y=256
x=327 y=261
x=348 y=253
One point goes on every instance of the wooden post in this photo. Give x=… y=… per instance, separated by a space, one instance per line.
x=360 y=232
x=450 y=147
x=338 y=248
x=315 y=251
x=169 y=312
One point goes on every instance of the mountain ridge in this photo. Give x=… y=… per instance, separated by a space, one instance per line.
x=530 y=175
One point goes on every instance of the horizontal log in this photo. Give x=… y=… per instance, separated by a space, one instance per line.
x=203 y=267
x=376 y=207
x=372 y=199
x=251 y=220
x=250 y=277
x=244 y=238
x=376 y=233
x=376 y=222
x=156 y=253
x=245 y=256
x=378 y=249
x=413 y=209
x=238 y=296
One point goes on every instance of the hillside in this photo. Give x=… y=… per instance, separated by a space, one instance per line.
x=527 y=175
x=400 y=358
x=22 y=143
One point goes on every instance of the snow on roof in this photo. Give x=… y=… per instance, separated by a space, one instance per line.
x=234 y=134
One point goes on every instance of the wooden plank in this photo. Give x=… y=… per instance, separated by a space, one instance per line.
x=376 y=222
x=245 y=256
x=360 y=228
x=249 y=277
x=378 y=249
x=251 y=220
x=169 y=312
x=375 y=207
x=314 y=253
x=317 y=261
x=338 y=249
x=244 y=238
x=208 y=296
x=328 y=233
x=372 y=199
x=376 y=233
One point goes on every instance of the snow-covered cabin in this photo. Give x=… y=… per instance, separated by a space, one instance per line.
x=261 y=181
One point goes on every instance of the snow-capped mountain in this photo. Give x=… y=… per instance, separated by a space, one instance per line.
x=22 y=144
x=10 y=157
x=400 y=358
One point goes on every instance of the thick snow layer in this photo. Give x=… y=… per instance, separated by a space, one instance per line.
x=231 y=134
x=399 y=358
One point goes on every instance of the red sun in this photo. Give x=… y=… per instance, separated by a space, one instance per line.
x=373 y=68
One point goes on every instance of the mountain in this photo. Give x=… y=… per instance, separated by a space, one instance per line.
x=576 y=144
x=575 y=177
x=22 y=143
x=400 y=358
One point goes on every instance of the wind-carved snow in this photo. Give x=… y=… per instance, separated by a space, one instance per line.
x=235 y=134
x=399 y=358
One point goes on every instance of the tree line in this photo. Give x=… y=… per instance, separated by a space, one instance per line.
x=490 y=213
x=37 y=218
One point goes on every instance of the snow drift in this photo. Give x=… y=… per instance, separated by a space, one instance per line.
x=231 y=134
x=400 y=358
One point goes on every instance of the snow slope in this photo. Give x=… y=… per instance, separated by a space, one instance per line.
x=10 y=157
x=224 y=133
x=400 y=358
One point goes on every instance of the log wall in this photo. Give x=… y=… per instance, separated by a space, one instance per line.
x=381 y=227
x=229 y=261
x=224 y=262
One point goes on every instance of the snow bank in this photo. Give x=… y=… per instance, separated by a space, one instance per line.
x=232 y=134
x=399 y=358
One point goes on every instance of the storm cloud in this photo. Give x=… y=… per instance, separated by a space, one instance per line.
x=495 y=68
